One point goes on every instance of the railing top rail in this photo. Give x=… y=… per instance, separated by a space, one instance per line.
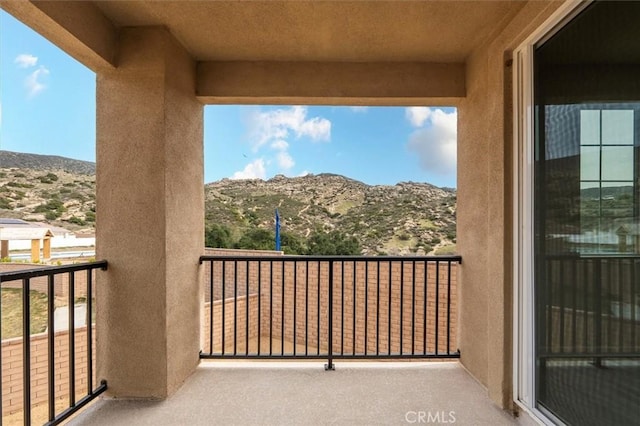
x=580 y=256
x=285 y=258
x=49 y=270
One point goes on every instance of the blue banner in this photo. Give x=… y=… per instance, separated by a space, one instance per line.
x=277 y=231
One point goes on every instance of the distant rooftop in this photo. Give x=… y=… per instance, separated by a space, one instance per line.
x=6 y=223
x=13 y=222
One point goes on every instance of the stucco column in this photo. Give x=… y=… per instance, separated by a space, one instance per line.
x=150 y=216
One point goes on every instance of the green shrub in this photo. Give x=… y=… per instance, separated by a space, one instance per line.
x=19 y=185
x=76 y=220
x=404 y=236
x=52 y=209
x=257 y=239
x=52 y=215
x=215 y=236
x=77 y=196
x=333 y=243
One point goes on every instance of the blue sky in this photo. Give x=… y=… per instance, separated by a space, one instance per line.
x=47 y=106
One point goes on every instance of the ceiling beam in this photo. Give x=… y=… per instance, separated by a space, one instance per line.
x=77 y=27
x=331 y=83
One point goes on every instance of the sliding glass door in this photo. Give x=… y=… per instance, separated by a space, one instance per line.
x=586 y=218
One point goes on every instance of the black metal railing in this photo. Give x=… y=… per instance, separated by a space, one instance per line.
x=589 y=307
x=321 y=307
x=48 y=280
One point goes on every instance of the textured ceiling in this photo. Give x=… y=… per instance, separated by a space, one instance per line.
x=357 y=31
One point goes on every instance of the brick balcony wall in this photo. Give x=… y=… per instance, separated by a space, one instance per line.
x=12 y=368
x=239 y=332
x=409 y=304
x=61 y=281
x=312 y=278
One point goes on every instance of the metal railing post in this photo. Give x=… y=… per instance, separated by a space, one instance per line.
x=329 y=365
x=26 y=352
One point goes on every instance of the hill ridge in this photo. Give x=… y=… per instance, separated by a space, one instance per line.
x=405 y=218
x=12 y=159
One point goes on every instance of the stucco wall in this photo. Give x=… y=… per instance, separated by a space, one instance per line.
x=485 y=206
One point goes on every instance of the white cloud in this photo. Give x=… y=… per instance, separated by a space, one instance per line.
x=359 y=109
x=436 y=145
x=281 y=124
x=253 y=170
x=417 y=115
x=277 y=127
x=26 y=60
x=304 y=173
x=34 y=83
x=285 y=161
x=317 y=128
x=280 y=145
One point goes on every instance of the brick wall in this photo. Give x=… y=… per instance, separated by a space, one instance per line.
x=12 y=366
x=40 y=283
x=230 y=271
x=235 y=313
x=354 y=296
x=312 y=278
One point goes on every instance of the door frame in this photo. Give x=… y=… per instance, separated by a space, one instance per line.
x=524 y=389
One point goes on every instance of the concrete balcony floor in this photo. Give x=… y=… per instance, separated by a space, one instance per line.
x=302 y=393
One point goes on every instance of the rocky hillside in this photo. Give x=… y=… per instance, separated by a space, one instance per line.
x=400 y=219
x=21 y=160
x=48 y=194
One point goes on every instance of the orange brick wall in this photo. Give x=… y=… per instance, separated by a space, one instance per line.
x=12 y=366
x=61 y=281
x=234 y=314
x=366 y=293
x=308 y=276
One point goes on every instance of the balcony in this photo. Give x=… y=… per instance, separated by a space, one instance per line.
x=296 y=393
x=268 y=307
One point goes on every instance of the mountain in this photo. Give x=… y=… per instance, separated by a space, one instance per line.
x=45 y=188
x=405 y=218
x=9 y=159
